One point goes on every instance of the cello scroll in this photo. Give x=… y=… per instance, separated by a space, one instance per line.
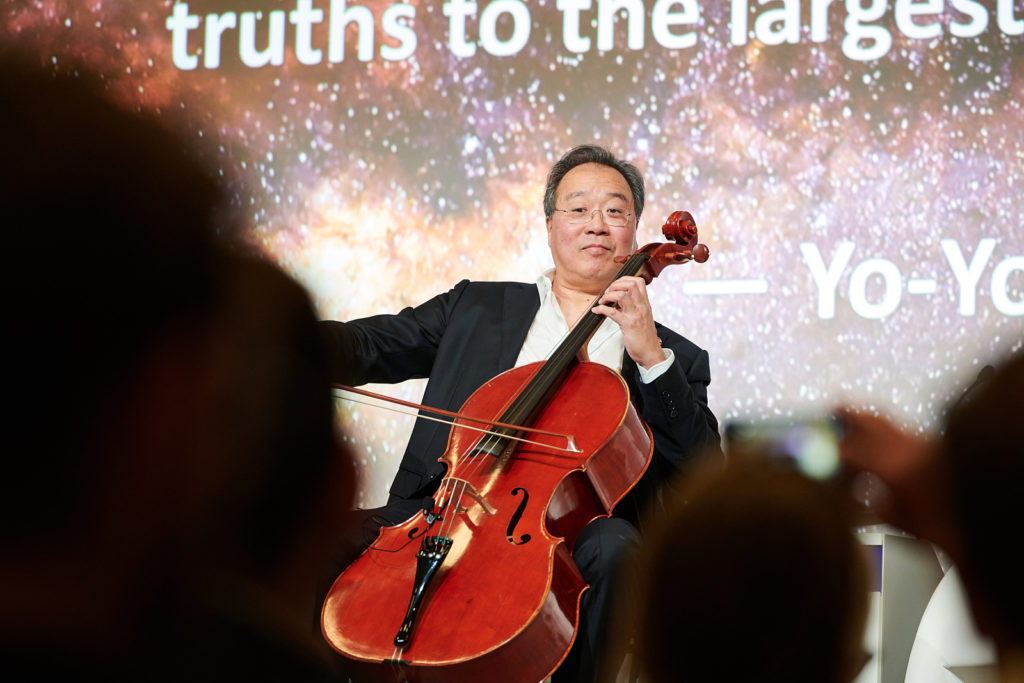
x=681 y=229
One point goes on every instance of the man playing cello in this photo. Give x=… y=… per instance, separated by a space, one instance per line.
x=466 y=336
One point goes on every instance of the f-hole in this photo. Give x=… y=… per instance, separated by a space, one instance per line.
x=510 y=532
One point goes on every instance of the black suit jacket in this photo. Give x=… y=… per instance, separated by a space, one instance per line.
x=466 y=336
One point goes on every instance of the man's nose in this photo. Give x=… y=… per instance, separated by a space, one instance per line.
x=593 y=225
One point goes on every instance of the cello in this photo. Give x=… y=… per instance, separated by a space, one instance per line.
x=481 y=580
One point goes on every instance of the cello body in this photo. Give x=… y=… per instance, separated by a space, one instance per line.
x=504 y=601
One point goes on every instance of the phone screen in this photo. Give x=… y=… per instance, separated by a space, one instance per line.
x=810 y=445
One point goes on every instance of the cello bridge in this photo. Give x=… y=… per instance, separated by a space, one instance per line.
x=469 y=490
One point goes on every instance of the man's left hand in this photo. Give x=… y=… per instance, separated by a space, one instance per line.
x=625 y=301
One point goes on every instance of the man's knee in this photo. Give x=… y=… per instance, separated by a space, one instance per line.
x=603 y=545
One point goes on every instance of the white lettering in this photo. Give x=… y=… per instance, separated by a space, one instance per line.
x=304 y=16
x=274 y=52
x=520 y=27
x=457 y=11
x=179 y=24
x=819 y=20
x=968 y=276
x=571 y=37
x=905 y=12
x=788 y=19
x=877 y=38
x=341 y=17
x=662 y=19
x=979 y=19
x=606 y=15
x=393 y=28
x=1001 y=289
x=826 y=280
x=858 y=288
x=216 y=24
x=739 y=12
x=1008 y=23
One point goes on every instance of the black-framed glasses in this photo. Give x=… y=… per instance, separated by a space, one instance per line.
x=615 y=218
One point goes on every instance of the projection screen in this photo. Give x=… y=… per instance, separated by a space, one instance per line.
x=855 y=167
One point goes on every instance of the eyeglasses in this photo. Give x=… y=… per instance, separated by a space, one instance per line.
x=614 y=218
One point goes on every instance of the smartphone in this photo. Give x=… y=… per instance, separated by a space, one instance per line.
x=810 y=445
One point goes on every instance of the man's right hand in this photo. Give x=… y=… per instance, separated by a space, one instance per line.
x=911 y=467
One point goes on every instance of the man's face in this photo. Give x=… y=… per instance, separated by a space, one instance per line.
x=584 y=254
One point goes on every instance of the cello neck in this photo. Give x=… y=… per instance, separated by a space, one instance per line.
x=536 y=394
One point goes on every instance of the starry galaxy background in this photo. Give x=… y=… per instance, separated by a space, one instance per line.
x=380 y=183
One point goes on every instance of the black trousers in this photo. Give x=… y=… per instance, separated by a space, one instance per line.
x=601 y=553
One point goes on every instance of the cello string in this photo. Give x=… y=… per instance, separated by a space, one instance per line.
x=449 y=485
x=523 y=406
x=535 y=390
x=449 y=523
x=479 y=453
x=526 y=402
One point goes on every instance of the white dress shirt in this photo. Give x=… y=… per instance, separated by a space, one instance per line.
x=549 y=328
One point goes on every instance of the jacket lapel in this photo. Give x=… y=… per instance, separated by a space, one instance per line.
x=519 y=308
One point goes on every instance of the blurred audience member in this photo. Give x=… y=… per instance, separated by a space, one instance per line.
x=171 y=468
x=964 y=491
x=281 y=492
x=753 y=575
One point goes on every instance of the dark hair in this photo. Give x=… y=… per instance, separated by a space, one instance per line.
x=124 y=231
x=592 y=154
x=112 y=231
x=283 y=422
x=763 y=544
x=984 y=447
